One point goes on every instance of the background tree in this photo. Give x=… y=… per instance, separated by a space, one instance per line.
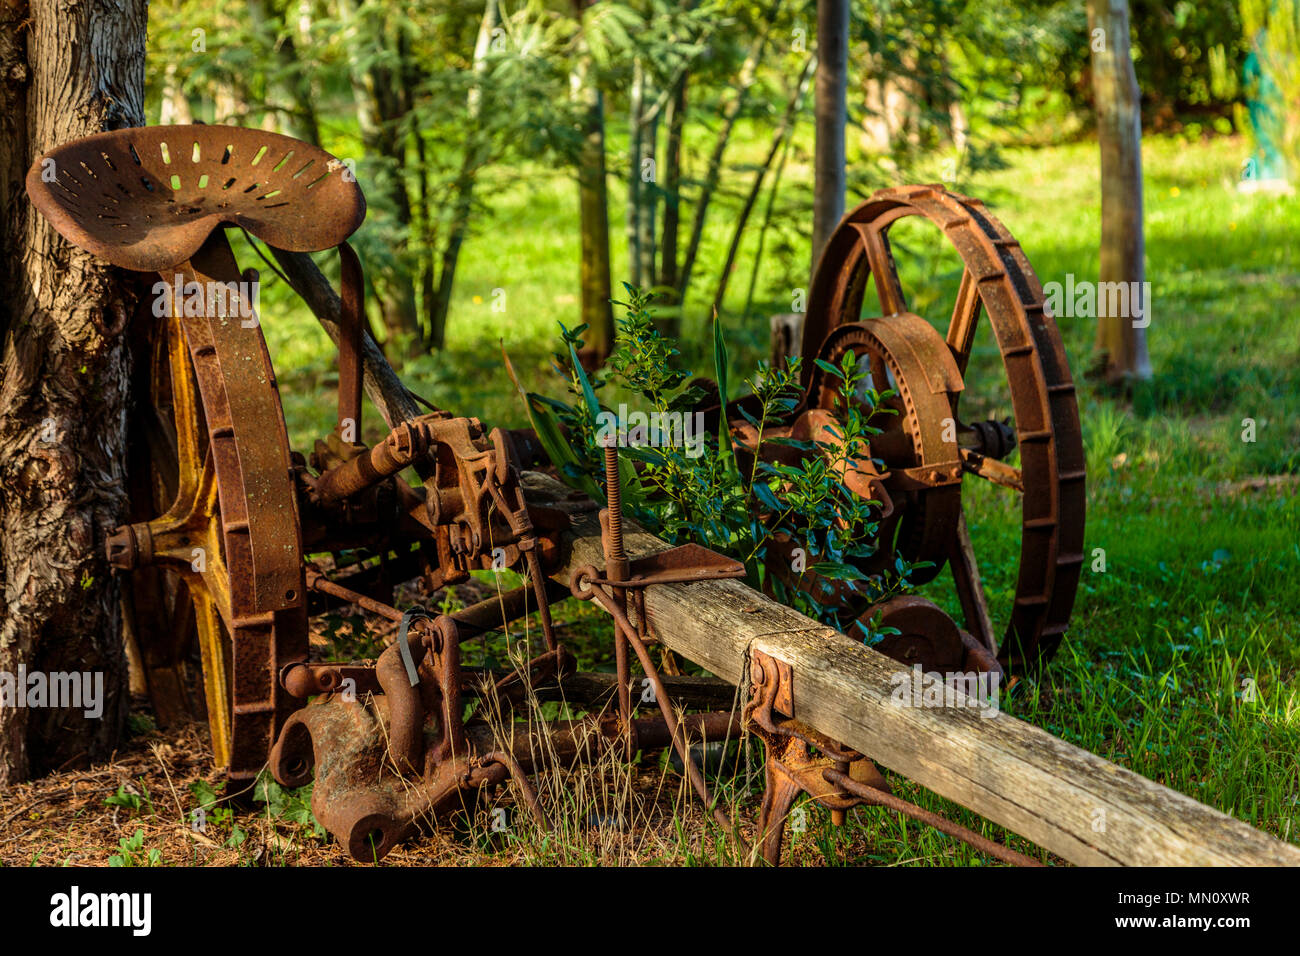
x=664 y=46
x=831 y=115
x=780 y=138
x=731 y=108
x=65 y=72
x=1121 y=345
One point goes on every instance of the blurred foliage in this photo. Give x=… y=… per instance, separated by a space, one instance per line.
x=439 y=131
x=1026 y=63
x=1274 y=83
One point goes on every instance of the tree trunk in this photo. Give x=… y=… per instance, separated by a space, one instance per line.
x=290 y=87
x=65 y=71
x=174 y=110
x=877 y=130
x=380 y=105
x=474 y=158
x=635 y=131
x=647 y=175
x=831 y=113
x=1121 y=339
x=748 y=73
x=230 y=95
x=779 y=137
x=302 y=122
x=762 y=240
x=672 y=184
x=594 y=280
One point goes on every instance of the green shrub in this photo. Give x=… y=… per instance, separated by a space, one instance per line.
x=709 y=498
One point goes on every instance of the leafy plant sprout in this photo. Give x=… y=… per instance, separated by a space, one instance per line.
x=736 y=508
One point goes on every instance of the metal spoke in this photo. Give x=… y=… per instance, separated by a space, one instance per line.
x=885 y=275
x=970 y=589
x=212 y=646
x=965 y=318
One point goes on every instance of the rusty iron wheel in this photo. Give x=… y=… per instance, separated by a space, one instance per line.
x=186 y=582
x=997 y=283
x=173 y=483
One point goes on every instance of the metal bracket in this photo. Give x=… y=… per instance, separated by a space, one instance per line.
x=837 y=778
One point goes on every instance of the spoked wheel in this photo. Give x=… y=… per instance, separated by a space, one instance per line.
x=226 y=499
x=930 y=452
x=158 y=199
x=176 y=600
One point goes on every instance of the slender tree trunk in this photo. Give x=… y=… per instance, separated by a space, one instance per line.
x=635 y=132
x=831 y=111
x=881 y=98
x=174 y=108
x=290 y=87
x=230 y=100
x=434 y=329
x=302 y=121
x=748 y=73
x=230 y=96
x=1121 y=344
x=303 y=45
x=877 y=129
x=593 y=204
x=470 y=164
x=65 y=71
x=762 y=233
x=672 y=184
x=648 y=197
x=783 y=131
x=380 y=106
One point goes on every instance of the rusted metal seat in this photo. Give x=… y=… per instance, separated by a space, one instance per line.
x=146 y=198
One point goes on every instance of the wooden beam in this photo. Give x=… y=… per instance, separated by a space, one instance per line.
x=1069 y=801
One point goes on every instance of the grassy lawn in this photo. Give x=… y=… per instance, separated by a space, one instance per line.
x=1181 y=659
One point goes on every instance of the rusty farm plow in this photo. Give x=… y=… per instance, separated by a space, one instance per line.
x=236 y=538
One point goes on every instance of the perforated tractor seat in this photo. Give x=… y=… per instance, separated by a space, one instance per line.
x=146 y=198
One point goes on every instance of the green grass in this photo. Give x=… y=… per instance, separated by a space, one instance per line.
x=1198 y=608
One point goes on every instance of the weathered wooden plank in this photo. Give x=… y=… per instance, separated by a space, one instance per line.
x=1077 y=805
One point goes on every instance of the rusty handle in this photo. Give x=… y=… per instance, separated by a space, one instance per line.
x=616 y=569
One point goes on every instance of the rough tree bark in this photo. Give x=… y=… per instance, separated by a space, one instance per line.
x=831 y=108
x=65 y=71
x=1121 y=348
